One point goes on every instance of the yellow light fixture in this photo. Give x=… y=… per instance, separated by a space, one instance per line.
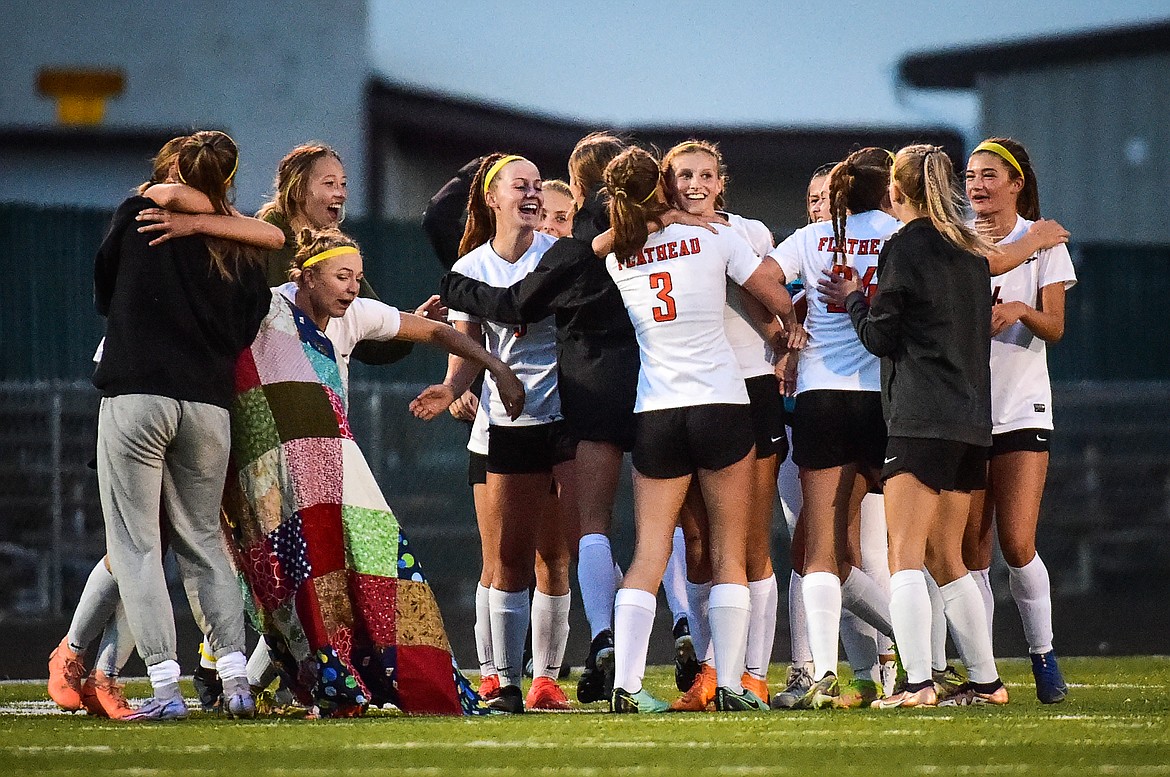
x=81 y=93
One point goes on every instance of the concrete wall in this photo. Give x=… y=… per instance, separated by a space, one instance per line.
x=271 y=74
x=1099 y=137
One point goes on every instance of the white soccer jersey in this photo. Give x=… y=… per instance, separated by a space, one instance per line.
x=365 y=319
x=674 y=290
x=530 y=350
x=1021 y=396
x=478 y=441
x=750 y=349
x=834 y=358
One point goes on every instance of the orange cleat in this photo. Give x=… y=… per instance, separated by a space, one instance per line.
x=754 y=684
x=489 y=687
x=545 y=694
x=66 y=674
x=102 y=697
x=701 y=693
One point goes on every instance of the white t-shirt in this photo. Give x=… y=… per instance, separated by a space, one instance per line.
x=834 y=358
x=675 y=291
x=530 y=350
x=1021 y=395
x=750 y=349
x=364 y=319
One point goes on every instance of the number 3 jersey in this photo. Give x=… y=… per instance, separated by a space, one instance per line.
x=675 y=290
x=529 y=350
x=834 y=358
x=1021 y=395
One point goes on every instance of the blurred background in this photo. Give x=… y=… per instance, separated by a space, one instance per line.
x=407 y=92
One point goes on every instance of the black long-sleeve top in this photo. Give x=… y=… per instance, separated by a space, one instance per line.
x=174 y=325
x=597 y=354
x=930 y=324
x=443 y=218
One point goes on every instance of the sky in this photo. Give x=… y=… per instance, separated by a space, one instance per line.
x=736 y=63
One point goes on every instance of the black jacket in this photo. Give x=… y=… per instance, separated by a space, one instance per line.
x=597 y=354
x=174 y=326
x=931 y=325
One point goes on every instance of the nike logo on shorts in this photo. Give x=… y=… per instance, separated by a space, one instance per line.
x=892 y=458
x=1041 y=439
x=778 y=439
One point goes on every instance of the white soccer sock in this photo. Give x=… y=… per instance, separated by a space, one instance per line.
x=261 y=670
x=938 y=625
x=597 y=577
x=860 y=641
x=117 y=644
x=483 y=631
x=822 y=607
x=862 y=597
x=550 y=633
x=761 y=626
x=232 y=666
x=99 y=598
x=674 y=582
x=798 y=621
x=698 y=598
x=1033 y=594
x=910 y=614
x=968 y=623
x=509 y=618
x=206 y=656
x=633 y=620
x=875 y=554
x=729 y=612
x=788 y=489
x=164 y=676
x=982 y=579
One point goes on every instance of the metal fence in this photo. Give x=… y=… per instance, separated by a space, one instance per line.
x=1106 y=513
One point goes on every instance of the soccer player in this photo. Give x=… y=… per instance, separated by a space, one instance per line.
x=528 y=455
x=1027 y=314
x=692 y=417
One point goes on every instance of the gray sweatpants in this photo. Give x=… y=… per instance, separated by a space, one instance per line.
x=154 y=451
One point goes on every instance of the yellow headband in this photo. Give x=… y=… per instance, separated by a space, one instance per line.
x=893 y=156
x=646 y=199
x=332 y=252
x=1002 y=152
x=497 y=167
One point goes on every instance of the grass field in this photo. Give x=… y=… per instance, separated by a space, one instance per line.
x=1116 y=721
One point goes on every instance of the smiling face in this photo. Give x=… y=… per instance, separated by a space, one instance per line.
x=325 y=194
x=556 y=217
x=697 y=182
x=990 y=185
x=515 y=195
x=332 y=285
x=817 y=202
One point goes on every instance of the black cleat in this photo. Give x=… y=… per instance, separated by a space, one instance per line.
x=686 y=665
x=596 y=683
x=510 y=701
x=209 y=689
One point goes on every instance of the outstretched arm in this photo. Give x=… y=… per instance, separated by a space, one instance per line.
x=532 y=298
x=467 y=358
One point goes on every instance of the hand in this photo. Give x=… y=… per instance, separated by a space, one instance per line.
x=511 y=391
x=432 y=401
x=785 y=370
x=835 y=288
x=433 y=308
x=1005 y=314
x=465 y=407
x=170 y=224
x=797 y=335
x=1048 y=233
x=679 y=216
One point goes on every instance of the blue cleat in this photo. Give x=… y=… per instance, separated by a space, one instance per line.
x=172 y=708
x=1050 y=685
